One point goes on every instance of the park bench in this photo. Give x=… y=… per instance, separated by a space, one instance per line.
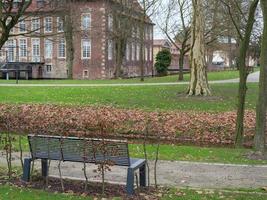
x=85 y=150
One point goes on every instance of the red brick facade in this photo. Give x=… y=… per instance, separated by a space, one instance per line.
x=96 y=66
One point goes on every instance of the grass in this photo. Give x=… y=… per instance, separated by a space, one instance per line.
x=223 y=75
x=180 y=153
x=15 y=193
x=11 y=192
x=142 y=97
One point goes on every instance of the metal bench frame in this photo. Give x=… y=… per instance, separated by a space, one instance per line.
x=132 y=164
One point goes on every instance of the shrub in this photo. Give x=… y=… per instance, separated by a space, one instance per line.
x=163 y=61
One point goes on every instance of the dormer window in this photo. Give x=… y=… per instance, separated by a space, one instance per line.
x=40 y=3
x=86 y=21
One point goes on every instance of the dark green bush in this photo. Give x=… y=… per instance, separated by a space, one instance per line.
x=163 y=61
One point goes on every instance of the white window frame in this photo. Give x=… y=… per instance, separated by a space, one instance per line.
x=22 y=47
x=86 y=49
x=138 y=48
x=35 y=24
x=133 y=51
x=48 y=24
x=127 y=51
x=48 y=48
x=61 y=50
x=11 y=50
x=151 y=53
x=60 y=25
x=36 y=52
x=110 y=49
x=110 y=22
x=86 y=24
x=21 y=30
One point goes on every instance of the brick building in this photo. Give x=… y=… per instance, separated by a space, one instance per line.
x=43 y=53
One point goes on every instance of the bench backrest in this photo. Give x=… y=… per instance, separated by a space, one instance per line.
x=75 y=149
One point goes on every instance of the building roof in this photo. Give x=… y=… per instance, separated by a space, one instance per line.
x=162 y=43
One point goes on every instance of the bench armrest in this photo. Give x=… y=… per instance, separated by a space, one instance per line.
x=137 y=163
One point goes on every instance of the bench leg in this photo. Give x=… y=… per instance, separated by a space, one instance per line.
x=130 y=182
x=26 y=169
x=44 y=167
x=142 y=174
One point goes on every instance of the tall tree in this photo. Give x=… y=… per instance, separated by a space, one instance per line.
x=148 y=9
x=260 y=137
x=244 y=38
x=198 y=79
x=10 y=13
x=121 y=23
x=177 y=31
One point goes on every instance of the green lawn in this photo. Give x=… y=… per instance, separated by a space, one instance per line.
x=172 y=78
x=179 y=153
x=15 y=193
x=148 y=98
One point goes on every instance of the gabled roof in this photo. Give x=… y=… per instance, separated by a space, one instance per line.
x=162 y=42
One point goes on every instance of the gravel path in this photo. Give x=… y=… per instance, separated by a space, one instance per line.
x=177 y=174
x=254 y=77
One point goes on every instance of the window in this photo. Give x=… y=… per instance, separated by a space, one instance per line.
x=23 y=47
x=22 y=26
x=138 y=52
x=151 y=33
x=151 y=54
x=36 y=25
x=48 y=68
x=147 y=33
x=48 y=48
x=133 y=51
x=86 y=21
x=146 y=54
x=110 y=22
x=61 y=48
x=60 y=27
x=110 y=49
x=128 y=52
x=86 y=49
x=85 y=74
x=40 y=3
x=11 y=50
x=48 y=24
x=36 y=50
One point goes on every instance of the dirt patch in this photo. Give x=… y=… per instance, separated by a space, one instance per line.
x=74 y=187
x=204 y=98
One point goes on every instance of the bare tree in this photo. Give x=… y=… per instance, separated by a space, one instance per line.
x=177 y=31
x=120 y=23
x=149 y=7
x=10 y=13
x=261 y=111
x=244 y=35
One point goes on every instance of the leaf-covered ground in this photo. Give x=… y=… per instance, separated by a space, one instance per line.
x=180 y=127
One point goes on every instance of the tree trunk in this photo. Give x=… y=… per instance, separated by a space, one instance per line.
x=260 y=137
x=119 y=58
x=198 y=83
x=68 y=31
x=142 y=54
x=243 y=73
x=181 y=66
